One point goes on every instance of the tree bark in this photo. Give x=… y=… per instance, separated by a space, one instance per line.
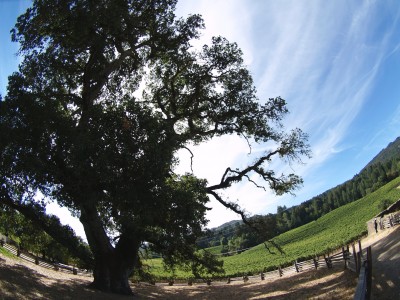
x=111 y=274
x=113 y=264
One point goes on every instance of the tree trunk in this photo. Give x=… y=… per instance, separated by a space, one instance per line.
x=111 y=274
x=113 y=265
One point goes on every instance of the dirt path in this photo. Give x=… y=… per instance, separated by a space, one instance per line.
x=23 y=280
x=385 y=263
x=321 y=284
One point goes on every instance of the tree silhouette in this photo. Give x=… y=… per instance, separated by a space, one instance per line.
x=107 y=93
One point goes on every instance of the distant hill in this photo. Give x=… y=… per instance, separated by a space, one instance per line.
x=392 y=151
x=226 y=225
x=214 y=235
x=328 y=233
x=383 y=168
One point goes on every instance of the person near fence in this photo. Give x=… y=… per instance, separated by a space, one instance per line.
x=376 y=225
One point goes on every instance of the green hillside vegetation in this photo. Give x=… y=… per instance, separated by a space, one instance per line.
x=216 y=250
x=390 y=153
x=339 y=227
x=32 y=238
x=6 y=253
x=383 y=168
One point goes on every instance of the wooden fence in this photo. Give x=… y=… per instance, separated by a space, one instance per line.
x=363 y=290
x=351 y=257
x=348 y=258
x=343 y=259
x=389 y=221
x=38 y=261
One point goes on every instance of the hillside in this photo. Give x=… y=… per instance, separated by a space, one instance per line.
x=383 y=168
x=227 y=225
x=392 y=151
x=337 y=228
x=331 y=231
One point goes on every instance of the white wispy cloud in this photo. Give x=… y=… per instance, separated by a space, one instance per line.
x=323 y=57
x=231 y=20
x=328 y=86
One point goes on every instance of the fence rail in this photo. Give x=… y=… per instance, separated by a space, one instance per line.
x=349 y=258
x=363 y=290
x=40 y=262
x=339 y=259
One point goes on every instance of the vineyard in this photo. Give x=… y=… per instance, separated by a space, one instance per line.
x=339 y=227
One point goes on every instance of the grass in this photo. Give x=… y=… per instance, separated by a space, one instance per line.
x=333 y=230
x=7 y=253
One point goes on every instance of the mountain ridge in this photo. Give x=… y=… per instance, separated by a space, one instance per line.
x=381 y=169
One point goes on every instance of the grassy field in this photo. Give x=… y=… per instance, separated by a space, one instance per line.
x=337 y=228
x=6 y=252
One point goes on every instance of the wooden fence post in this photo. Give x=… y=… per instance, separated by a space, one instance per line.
x=328 y=261
x=346 y=255
x=355 y=256
x=296 y=266
x=358 y=262
x=369 y=275
x=363 y=290
x=315 y=263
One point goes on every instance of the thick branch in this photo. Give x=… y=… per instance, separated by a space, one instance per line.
x=191 y=158
x=226 y=181
x=235 y=208
x=232 y=206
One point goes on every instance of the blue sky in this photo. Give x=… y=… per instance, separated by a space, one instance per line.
x=337 y=63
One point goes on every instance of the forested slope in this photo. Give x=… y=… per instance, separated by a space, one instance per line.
x=336 y=228
x=383 y=168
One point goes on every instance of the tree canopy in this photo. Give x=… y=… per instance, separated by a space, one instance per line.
x=106 y=95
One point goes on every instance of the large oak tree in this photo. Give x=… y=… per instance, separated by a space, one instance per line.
x=106 y=95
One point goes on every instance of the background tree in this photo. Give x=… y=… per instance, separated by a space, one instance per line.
x=224 y=241
x=266 y=229
x=26 y=234
x=75 y=126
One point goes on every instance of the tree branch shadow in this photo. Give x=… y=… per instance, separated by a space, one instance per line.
x=385 y=266
x=21 y=282
x=338 y=284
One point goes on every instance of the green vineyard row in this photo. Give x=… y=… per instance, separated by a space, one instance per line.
x=333 y=230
